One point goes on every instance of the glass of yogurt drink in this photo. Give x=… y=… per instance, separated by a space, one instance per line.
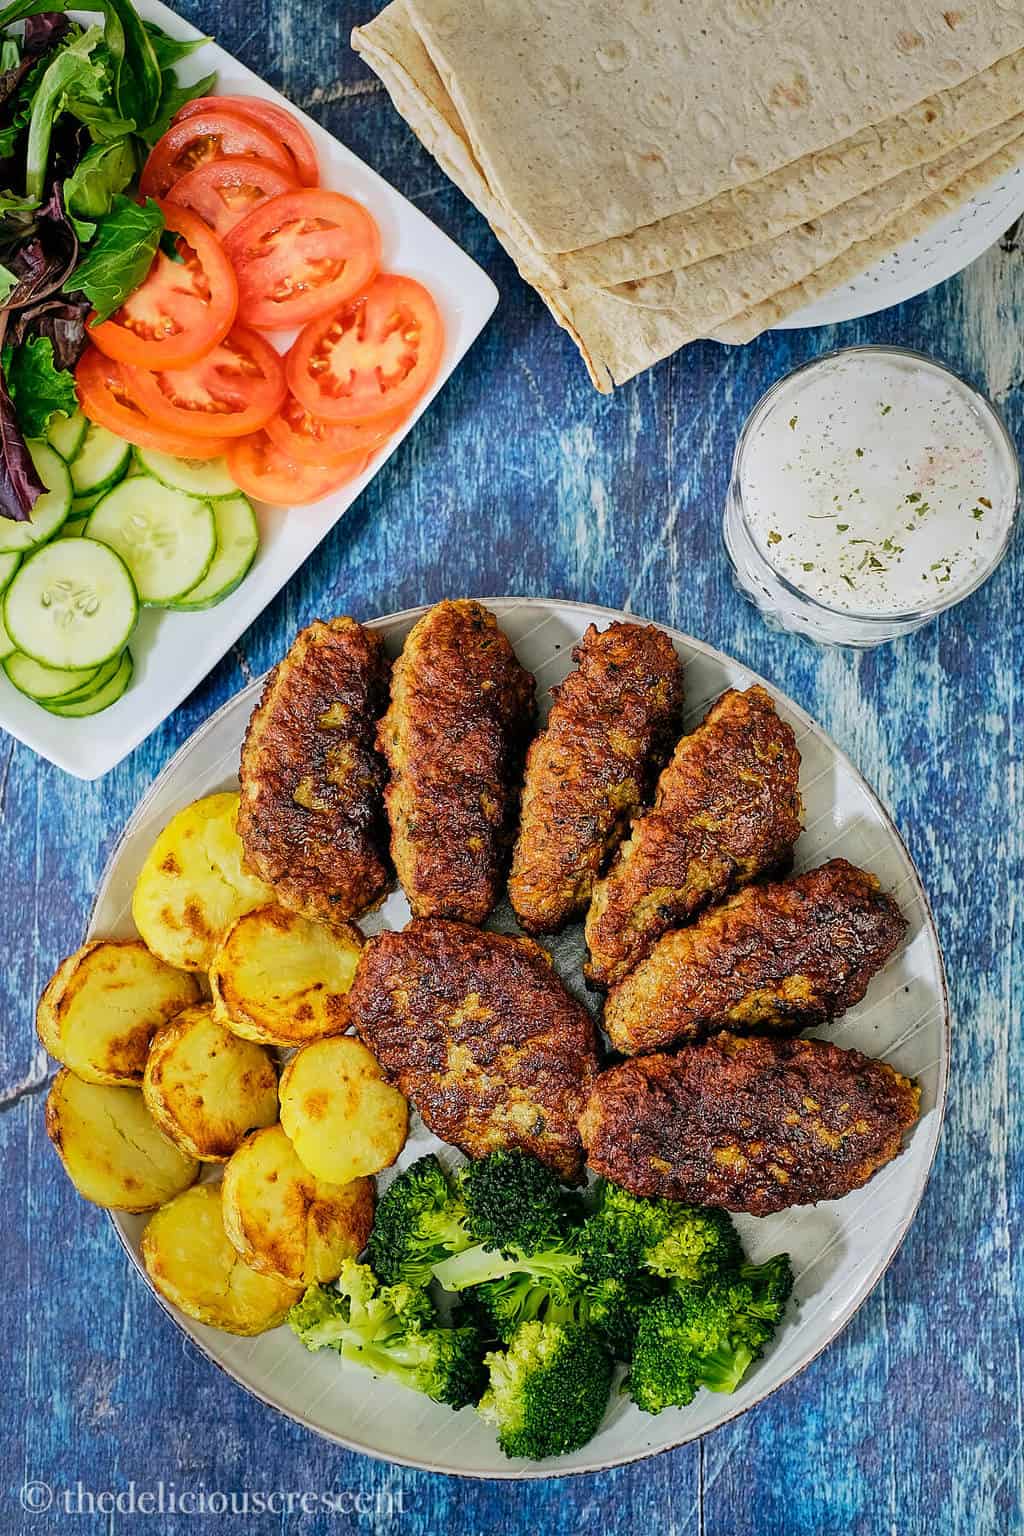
x=871 y=489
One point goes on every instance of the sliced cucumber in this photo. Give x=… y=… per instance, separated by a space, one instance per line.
x=66 y=434
x=8 y=565
x=74 y=528
x=7 y=646
x=81 y=506
x=100 y=462
x=72 y=605
x=165 y=538
x=207 y=478
x=107 y=695
x=48 y=683
x=97 y=680
x=50 y=509
x=238 y=539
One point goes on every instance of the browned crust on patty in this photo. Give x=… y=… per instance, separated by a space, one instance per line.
x=477 y=1030
x=454 y=737
x=727 y=810
x=780 y=957
x=611 y=725
x=753 y=1125
x=311 y=817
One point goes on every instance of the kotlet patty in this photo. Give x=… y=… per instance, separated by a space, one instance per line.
x=311 y=817
x=478 y=1031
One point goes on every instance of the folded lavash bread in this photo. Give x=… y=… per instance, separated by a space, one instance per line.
x=614 y=343
x=590 y=121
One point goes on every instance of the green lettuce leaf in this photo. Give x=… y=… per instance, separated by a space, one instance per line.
x=172 y=99
x=120 y=255
x=37 y=387
x=103 y=171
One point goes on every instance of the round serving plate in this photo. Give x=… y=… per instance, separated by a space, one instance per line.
x=840 y=1249
x=948 y=246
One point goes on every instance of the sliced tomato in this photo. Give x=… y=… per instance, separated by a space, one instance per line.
x=105 y=398
x=309 y=440
x=260 y=469
x=281 y=123
x=230 y=392
x=224 y=192
x=300 y=255
x=183 y=308
x=208 y=136
x=374 y=357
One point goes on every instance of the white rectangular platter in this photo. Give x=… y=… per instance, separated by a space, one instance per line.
x=174 y=651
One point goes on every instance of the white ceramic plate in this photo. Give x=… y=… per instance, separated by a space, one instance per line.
x=839 y=1249
x=949 y=246
x=174 y=651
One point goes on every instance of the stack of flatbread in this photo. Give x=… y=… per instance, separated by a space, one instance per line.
x=663 y=170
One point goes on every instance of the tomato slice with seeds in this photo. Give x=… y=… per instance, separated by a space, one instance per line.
x=230 y=392
x=259 y=468
x=309 y=440
x=281 y=123
x=184 y=307
x=209 y=135
x=374 y=357
x=105 y=398
x=224 y=192
x=300 y=255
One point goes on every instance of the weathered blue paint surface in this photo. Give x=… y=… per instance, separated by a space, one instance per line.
x=522 y=480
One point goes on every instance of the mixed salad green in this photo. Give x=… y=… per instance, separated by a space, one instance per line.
x=79 y=107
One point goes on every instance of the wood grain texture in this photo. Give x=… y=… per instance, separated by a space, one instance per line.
x=522 y=480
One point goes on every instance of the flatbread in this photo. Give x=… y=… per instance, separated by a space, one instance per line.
x=575 y=117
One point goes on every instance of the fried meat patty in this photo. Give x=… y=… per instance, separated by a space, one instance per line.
x=311 y=817
x=611 y=725
x=753 y=1125
x=454 y=735
x=775 y=958
x=477 y=1030
x=727 y=810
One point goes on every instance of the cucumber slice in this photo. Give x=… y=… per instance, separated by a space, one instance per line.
x=74 y=528
x=72 y=605
x=66 y=434
x=81 y=506
x=165 y=538
x=100 y=462
x=97 y=680
x=107 y=695
x=50 y=509
x=48 y=683
x=8 y=565
x=7 y=646
x=207 y=478
x=238 y=539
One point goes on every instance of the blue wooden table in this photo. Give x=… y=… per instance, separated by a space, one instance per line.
x=522 y=480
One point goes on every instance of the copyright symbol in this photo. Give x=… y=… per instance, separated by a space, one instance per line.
x=36 y=1498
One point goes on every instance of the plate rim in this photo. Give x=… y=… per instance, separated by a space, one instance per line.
x=500 y=605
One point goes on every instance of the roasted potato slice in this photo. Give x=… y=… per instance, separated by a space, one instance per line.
x=194 y=884
x=285 y=1222
x=113 y=1151
x=193 y=1265
x=206 y=1088
x=279 y=978
x=339 y=1114
x=103 y=1005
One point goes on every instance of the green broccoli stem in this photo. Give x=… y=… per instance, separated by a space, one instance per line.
x=479 y=1264
x=383 y=1360
x=724 y=1369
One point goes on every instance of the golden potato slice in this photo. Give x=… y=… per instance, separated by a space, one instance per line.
x=194 y=884
x=282 y=979
x=103 y=1005
x=112 y=1150
x=205 y=1088
x=285 y=1222
x=339 y=1114
x=190 y=1261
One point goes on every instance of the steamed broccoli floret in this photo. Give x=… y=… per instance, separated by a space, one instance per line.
x=393 y=1331
x=420 y=1220
x=614 y=1308
x=678 y=1242
x=707 y=1335
x=522 y=1224
x=548 y=1391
